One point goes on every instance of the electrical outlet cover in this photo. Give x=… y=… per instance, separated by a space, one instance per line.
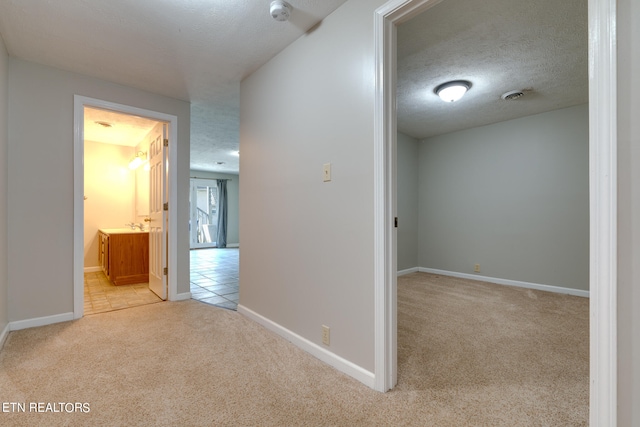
x=326 y=337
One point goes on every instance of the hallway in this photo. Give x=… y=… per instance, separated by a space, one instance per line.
x=214 y=276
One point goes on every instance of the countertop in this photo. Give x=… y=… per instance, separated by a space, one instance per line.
x=127 y=230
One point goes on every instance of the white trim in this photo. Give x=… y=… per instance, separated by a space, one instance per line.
x=40 y=321
x=602 y=191
x=386 y=18
x=233 y=245
x=4 y=334
x=92 y=269
x=78 y=187
x=603 y=212
x=315 y=350
x=408 y=271
x=78 y=206
x=508 y=282
x=182 y=296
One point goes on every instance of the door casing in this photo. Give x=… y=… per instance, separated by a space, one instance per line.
x=79 y=102
x=602 y=195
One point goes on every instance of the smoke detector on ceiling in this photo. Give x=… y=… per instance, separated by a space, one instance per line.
x=512 y=94
x=280 y=10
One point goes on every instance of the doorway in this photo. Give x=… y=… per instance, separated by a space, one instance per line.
x=203 y=215
x=160 y=226
x=117 y=168
x=213 y=227
x=602 y=132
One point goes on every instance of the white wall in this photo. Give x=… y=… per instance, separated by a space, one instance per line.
x=40 y=194
x=4 y=309
x=628 y=213
x=233 y=193
x=512 y=197
x=407 y=194
x=307 y=255
x=109 y=186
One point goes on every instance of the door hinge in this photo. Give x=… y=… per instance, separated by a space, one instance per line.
x=166 y=142
x=165 y=271
x=165 y=207
x=395 y=222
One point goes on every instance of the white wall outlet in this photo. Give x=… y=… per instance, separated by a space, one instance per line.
x=476 y=268
x=326 y=172
x=326 y=337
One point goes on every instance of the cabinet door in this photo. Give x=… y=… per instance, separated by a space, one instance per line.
x=107 y=261
x=104 y=253
x=101 y=250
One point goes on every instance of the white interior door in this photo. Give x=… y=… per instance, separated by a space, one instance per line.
x=158 y=211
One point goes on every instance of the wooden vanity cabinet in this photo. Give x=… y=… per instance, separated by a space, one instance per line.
x=124 y=256
x=103 y=252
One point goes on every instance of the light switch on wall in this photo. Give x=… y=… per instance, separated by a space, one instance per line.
x=326 y=172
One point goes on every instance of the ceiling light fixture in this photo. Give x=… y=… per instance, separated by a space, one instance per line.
x=452 y=91
x=139 y=159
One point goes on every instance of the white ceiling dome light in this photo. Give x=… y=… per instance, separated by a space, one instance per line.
x=452 y=91
x=280 y=10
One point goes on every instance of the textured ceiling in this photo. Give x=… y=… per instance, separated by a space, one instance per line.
x=123 y=129
x=194 y=50
x=498 y=45
x=200 y=50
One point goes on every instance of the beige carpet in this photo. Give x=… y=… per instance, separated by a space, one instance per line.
x=470 y=353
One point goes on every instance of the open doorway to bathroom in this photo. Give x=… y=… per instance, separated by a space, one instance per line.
x=163 y=200
x=118 y=178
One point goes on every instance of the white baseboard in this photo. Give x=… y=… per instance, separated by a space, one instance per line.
x=342 y=365
x=182 y=296
x=3 y=335
x=516 y=283
x=233 y=245
x=408 y=271
x=40 y=321
x=92 y=269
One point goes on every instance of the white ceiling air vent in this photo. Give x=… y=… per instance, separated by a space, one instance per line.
x=511 y=95
x=280 y=10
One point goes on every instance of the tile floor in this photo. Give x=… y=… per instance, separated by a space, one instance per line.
x=100 y=295
x=214 y=280
x=214 y=276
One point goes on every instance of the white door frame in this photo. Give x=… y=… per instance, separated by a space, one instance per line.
x=602 y=192
x=79 y=102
